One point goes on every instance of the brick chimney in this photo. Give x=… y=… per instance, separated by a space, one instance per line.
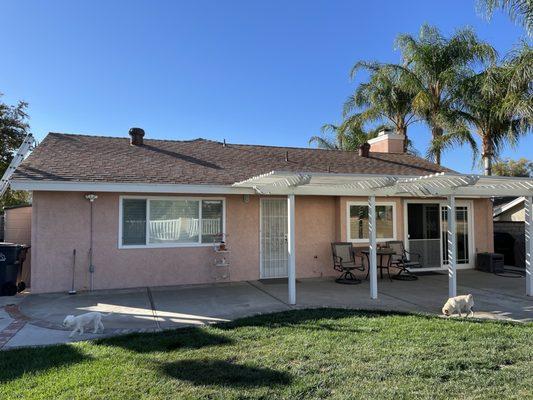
x=136 y=136
x=387 y=141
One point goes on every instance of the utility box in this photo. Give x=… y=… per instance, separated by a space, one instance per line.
x=490 y=262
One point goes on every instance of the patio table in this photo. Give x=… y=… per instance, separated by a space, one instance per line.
x=380 y=253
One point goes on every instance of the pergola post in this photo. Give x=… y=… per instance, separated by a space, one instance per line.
x=291 y=249
x=372 y=248
x=529 y=245
x=452 y=240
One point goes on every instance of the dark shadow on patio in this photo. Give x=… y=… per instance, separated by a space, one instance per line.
x=225 y=373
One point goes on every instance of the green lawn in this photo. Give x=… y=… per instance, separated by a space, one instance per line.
x=294 y=355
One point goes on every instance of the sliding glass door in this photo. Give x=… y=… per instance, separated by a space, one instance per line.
x=427 y=225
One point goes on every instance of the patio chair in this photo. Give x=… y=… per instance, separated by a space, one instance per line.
x=345 y=261
x=403 y=260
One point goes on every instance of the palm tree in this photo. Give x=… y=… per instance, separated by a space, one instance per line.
x=383 y=98
x=520 y=11
x=433 y=67
x=519 y=78
x=349 y=136
x=494 y=111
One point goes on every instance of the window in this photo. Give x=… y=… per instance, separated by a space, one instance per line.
x=160 y=222
x=358 y=221
x=133 y=221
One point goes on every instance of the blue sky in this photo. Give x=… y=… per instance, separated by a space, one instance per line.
x=265 y=72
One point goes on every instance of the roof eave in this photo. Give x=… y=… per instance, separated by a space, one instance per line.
x=78 y=186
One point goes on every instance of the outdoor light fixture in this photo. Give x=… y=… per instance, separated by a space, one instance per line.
x=91 y=197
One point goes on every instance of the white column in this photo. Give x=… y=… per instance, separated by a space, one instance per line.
x=529 y=245
x=372 y=248
x=292 y=249
x=452 y=240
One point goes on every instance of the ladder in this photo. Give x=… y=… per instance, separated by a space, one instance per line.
x=24 y=149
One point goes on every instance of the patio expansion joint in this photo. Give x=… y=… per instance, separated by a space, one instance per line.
x=152 y=306
x=290 y=307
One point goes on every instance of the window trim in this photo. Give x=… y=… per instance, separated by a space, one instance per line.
x=167 y=245
x=378 y=203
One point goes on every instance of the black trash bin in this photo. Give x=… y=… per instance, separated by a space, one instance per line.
x=12 y=257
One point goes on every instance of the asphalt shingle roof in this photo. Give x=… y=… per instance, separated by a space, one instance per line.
x=84 y=158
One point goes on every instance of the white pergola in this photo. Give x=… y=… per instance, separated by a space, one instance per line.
x=449 y=185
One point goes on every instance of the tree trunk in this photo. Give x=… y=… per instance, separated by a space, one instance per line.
x=436 y=133
x=403 y=131
x=487 y=155
x=487 y=165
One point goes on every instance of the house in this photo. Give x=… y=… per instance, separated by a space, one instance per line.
x=144 y=212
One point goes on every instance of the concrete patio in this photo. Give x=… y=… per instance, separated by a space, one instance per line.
x=152 y=309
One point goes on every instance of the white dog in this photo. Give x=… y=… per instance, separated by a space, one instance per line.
x=458 y=304
x=80 y=321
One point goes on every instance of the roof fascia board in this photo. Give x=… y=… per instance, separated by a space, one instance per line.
x=508 y=206
x=126 y=187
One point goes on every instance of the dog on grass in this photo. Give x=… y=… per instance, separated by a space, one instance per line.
x=458 y=304
x=79 y=322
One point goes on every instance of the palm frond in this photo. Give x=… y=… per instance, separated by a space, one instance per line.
x=323 y=142
x=520 y=11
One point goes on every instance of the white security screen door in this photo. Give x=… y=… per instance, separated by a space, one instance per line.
x=273 y=236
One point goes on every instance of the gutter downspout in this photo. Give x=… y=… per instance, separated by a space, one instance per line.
x=91 y=197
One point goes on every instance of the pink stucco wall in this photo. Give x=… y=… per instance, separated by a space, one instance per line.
x=60 y=223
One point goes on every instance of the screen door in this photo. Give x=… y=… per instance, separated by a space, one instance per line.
x=273 y=235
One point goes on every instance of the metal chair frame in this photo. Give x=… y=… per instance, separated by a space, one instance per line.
x=346 y=267
x=404 y=261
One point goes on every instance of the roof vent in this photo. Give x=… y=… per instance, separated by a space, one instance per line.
x=136 y=136
x=364 y=150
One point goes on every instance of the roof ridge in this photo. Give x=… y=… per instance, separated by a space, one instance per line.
x=205 y=140
x=355 y=152
x=124 y=137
